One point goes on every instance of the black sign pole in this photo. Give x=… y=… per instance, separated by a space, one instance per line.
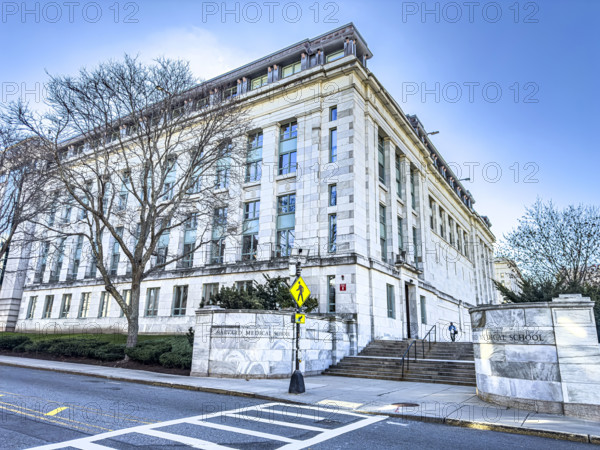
x=297 y=380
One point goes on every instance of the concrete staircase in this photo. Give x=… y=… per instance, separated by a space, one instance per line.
x=445 y=362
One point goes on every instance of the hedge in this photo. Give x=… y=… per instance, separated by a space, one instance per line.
x=170 y=352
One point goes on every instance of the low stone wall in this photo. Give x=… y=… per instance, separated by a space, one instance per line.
x=539 y=356
x=105 y=325
x=260 y=344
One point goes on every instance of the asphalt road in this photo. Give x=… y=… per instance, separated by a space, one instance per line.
x=41 y=408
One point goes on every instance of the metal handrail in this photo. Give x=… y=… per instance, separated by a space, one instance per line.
x=428 y=336
x=404 y=357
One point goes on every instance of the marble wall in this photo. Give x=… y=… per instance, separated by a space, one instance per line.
x=540 y=356
x=260 y=344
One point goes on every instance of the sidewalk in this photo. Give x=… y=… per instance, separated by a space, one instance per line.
x=453 y=405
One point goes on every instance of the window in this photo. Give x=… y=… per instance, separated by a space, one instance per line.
x=87 y=193
x=196 y=186
x=218 y=235
x=84 y=306
x=104 y=305
x=41 y=267
x=58 y=261
x=189 y=241
x=333 y=145
x=399 y=181
x=180 y=294
x=48 y=306
x=230 y=92
x=254 y=158
x=432 y=214
x=332 y=194
x=170 y=178
x=466 y=244
x=333 y=113
x=72 y=275
x=209 y=290
x=332 y=241
x=381 y=158
x=250 y=230
x=31 y=307
x=336 y=55
x=391 y=302
x=382 y=233
x=451 y=230
x=245 y=285
x=286 y=222
x=288 y=136
x=91 y=268
x=162 y=248
x=124 y=193
x=259 y=82
x=66 y=217
x=52 y=212
x=127 y=299
x=222 y=174
x=459 y=239
x=114 y=261
x=417 y=245
x=442 y=223
x=152 y=302
x=65 y=306
x=331 y=293
x=400 y=236
x=423 y=310
x=413 y=188
x=290 y=70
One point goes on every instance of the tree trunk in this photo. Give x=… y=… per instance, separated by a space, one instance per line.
x=132 y=332
x=133 y=325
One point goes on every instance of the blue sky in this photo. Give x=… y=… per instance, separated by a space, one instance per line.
x=533 y=138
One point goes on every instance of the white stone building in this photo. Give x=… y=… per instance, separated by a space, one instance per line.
x=392 y=237
x=507 y=274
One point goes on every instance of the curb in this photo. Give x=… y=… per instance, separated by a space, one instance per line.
x=565 y=436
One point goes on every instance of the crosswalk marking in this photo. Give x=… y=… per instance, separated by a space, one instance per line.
x=276 y=422
x=197 y=443
x=156 y=429
x=260 y=434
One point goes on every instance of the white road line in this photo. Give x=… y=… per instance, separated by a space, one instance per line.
x=276 y=422
x=330 y=434
x=314 y=408
x=90 y=446
x=299 y=415
x=399 y=424
x=218 y=426
x=193 y=442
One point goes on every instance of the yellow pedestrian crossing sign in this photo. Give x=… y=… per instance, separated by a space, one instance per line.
x=299 y=291
x=300 y=318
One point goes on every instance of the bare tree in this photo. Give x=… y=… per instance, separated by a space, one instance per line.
x=23 y=176
x=140 y=154
x=550 y=244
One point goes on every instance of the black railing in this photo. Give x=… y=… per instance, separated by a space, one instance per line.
x=428 y=337
x=406 y=357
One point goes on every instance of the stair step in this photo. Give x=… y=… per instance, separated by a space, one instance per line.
x=444 y=362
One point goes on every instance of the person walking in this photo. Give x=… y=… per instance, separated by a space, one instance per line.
x=453 y=331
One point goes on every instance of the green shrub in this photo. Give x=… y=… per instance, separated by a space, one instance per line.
x=149 y=352
x=109 y=352
x=176 y=360
x=9 y=342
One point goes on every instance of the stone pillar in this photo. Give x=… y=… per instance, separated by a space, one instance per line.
x=541 y=356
